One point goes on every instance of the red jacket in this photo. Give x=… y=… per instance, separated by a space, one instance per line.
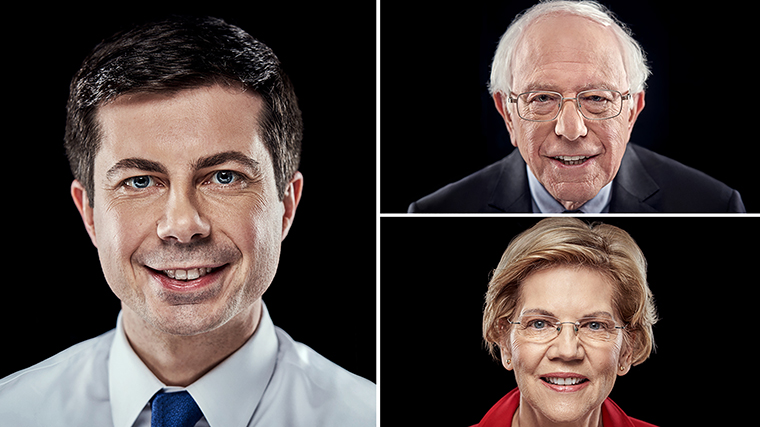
x=500 y=415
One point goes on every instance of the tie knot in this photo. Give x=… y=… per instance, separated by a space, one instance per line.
x=174 y=410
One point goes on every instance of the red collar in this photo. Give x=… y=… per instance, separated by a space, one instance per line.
x=500 y=415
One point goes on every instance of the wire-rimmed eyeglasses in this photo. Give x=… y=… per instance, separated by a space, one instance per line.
x=542 y=329
x=544 y=106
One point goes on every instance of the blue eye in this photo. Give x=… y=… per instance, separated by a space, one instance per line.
x=224 y=177
x=140 y=182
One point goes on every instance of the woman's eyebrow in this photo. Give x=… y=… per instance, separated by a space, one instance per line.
x=605 y=314
x=544 y=312
x=540 y=311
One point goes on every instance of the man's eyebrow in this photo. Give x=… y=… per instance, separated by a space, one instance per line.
x=135 y=163
x=224 y=157
x=538 y=86
x=202 y=163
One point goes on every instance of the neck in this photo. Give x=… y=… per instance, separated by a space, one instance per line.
x=181 y=360
x=526 y=416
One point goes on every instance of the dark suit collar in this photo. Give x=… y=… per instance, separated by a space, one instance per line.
x=511 y=193
x=633 y=185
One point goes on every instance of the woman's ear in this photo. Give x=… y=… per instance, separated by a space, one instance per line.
x=506 y=351
x=506 y=358
x=625 y=361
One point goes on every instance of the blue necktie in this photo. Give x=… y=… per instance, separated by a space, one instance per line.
x=174 y=410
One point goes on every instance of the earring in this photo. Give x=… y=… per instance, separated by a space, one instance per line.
x=622 y=368
x=509 y=361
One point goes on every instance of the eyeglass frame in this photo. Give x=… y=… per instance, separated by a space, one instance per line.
x=558 y=325
x=623 y=97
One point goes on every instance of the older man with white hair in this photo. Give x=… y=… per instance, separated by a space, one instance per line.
x=569 y=81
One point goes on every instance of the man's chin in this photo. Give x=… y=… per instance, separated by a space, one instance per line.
x=574 y=198
x=179 y=320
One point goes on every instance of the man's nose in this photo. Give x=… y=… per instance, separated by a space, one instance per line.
x=182 y=220
x=570 y=123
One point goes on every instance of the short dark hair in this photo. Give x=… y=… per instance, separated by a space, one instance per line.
x=176 y=54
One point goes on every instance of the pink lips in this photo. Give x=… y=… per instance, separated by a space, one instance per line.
x=187 y=285
x=565 y=382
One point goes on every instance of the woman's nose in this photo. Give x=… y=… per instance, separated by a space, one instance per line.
x=566 y=346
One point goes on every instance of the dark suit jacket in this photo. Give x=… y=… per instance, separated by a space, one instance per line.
x=646 y=182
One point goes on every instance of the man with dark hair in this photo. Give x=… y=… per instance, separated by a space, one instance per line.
x=184 y=140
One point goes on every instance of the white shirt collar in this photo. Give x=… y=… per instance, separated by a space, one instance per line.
x=238 y=382
x=544 y=202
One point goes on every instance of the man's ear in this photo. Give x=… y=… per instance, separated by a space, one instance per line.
x=82 y=202
x=500 y=100
x=290 y=202
x=638 y=100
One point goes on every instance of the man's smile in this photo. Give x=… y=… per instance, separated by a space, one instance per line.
x=572 y=160
x=188 y=274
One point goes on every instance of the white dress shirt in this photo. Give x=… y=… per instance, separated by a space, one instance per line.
x=544 y=202
x=271 y=380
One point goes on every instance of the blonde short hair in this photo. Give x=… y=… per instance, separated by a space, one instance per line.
x=569 y=241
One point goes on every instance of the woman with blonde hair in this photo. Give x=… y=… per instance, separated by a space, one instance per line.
x=568 y=310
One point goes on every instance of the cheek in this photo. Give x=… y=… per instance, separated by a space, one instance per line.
x=530 y=138
x=120 y=229
x=525 y=357
x=530 y=134
x=121 y=232
x=613 y=136
x=257 y=236
x=607 y=362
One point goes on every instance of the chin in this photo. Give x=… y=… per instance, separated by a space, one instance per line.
x=560 y=413
x=576 y=192
x=186 y=320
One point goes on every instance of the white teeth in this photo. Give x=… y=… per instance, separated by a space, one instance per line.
x=191 y=274
x=563 y=381
x=572 y=160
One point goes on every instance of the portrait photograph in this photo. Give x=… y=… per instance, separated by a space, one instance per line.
x=434 y=282
x=441 y=124
x=322 y=290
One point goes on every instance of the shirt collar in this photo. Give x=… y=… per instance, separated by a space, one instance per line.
x=238 y=382
x=544 y=202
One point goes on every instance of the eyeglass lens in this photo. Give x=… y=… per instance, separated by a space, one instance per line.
x=594 y=104
x=545 y=328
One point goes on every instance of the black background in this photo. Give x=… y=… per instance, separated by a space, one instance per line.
x=438 y=123
x=434 y=275
x=324 y=292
